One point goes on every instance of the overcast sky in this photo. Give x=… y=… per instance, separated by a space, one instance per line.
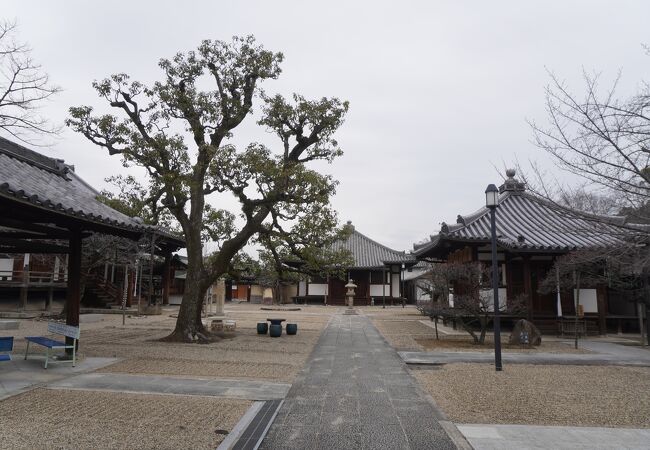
x=439 y=91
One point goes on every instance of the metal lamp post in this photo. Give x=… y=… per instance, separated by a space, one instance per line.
x=492 y=201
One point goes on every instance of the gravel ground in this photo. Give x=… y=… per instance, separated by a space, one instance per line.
x=401 y=333
x=246 y=355
x=58 y=419
x=461 y=344
x=404 y=332
x=541 y=395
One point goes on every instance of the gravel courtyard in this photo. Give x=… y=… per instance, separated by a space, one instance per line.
x=541 y=395
x=49 y=418
x=58 y=419
x=246 y=355
x=606 y=396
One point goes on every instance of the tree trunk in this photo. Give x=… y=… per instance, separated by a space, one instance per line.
x=189 y=326
x=484 y=325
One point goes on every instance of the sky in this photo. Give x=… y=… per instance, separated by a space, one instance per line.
x=440 y=91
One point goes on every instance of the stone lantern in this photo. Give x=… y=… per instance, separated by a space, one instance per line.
x=350 y=292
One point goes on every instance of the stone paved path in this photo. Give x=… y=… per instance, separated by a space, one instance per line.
x=618 y=355
x=18 y=375
x=157 y=384
x=525 y=437
x=355 y=392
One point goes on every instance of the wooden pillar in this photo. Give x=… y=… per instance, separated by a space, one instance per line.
x=528 y=289
x=166 y=278
x=601 y=298
x=130 y=283
x=368 y=288
x=24 y=285
x=327 y=293
x=73 y=295
x=50 y=298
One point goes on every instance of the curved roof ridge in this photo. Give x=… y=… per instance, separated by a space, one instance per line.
x=616 y=219
x=379 y=244
x=469 y=218
x=33 y=158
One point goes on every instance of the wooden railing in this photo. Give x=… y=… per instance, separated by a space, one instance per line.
x=22 y=277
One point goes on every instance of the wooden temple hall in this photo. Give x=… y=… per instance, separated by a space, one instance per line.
x=531 y=234
x=46 y=211
x=378 y=272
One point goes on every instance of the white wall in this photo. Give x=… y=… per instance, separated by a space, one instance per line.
x=377 y=290
x=588 y=299
x=395 y=278
x=488 y=296
x=302 y=288
x=317 y=289
x=6 y=268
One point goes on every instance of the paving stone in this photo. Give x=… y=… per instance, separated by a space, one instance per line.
x=339 y=441
x=355 y=394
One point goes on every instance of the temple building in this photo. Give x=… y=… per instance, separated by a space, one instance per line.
x=47 y=209
x=531 y=233
x=378 y=272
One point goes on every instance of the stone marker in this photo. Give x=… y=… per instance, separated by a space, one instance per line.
x=525 y=333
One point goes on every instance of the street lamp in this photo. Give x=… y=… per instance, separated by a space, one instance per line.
x=492 y=201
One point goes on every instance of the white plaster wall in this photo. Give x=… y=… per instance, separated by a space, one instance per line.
x=6 y=268
x=377 y=290
x=588 y=299
x=317 y=289
x=395 y=277
x=488 y=296
x=302 y=288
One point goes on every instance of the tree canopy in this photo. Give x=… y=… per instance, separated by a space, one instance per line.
x=181 y=133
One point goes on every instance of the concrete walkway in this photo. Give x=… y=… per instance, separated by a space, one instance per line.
x=437 y=358
x=524 y=437
x=355 y=392
x=156 y=384
x=19 y=375
x=609 y=354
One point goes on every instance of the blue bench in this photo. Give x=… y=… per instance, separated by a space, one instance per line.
x=50 y=344
x=6 y=346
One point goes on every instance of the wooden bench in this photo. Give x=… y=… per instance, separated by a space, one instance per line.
x=48 y=343
x=6 y=346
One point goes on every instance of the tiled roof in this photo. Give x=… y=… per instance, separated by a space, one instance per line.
x=370 y=254
x=525 y=222
x=30 y=177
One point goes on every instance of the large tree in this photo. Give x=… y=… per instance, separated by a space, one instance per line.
x=603 y=139
x=24 y=86
x=180 y=132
